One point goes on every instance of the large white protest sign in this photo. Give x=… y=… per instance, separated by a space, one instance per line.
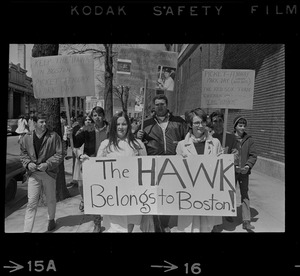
x=63 y=76
x=170 y=185
x=227 y=88
x=134 y=65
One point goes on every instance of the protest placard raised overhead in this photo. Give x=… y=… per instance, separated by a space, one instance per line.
x=137 y=64
x=169 y=185
x=63 y=76
x=227 y=88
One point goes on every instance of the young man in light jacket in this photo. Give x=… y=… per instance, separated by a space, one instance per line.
x=41 y=154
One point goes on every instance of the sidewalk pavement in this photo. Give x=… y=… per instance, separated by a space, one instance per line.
x=267 y=200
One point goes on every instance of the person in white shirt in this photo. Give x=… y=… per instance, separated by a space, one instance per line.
x=22 y=127
x=168 y=82
x=121 y=142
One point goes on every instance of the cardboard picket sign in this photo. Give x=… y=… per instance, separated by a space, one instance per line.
x=227 y=88
x=63 y=76
x=134 y=65
x=165 y=185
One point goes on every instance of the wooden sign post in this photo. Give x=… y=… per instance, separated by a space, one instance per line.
x=69 y=120
x=144 y=102
x=229 y=89
x=225 y=128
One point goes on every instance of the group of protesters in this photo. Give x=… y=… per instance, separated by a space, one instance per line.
x=163 y=133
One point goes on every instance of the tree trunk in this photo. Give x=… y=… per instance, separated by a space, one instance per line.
x=108 y=89
x=125 y=95
x=51 y=107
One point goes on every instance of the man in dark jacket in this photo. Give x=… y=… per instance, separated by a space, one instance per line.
x=41 y=154
x=92 y=136
x=161 y=134
x=247 y=158
x=217 y=122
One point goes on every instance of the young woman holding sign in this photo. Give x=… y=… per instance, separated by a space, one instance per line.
x=198 y=141
x=121 y=142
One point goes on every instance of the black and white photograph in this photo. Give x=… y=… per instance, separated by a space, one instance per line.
x=140 y=152
x=214 y=98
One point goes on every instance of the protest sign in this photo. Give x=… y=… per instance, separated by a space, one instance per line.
x=137 y=64
x=166 y=185
x=63 y=76
x=227 y=88
x=139 y=101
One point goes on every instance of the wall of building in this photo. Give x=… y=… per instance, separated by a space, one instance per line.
x=20 y=92
x=266 y=119
x=188 y=81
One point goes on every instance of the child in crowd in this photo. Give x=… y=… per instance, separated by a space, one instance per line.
x=247 y=157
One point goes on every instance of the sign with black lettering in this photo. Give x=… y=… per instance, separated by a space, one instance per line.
x=144 y=63
x=63 y=76
x=227 y=88
x=165 y=185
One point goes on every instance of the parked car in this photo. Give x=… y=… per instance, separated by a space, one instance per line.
x=12 y=125
x=14 y=172
x=9 y=129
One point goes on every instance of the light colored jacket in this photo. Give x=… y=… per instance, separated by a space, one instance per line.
x=186 y=147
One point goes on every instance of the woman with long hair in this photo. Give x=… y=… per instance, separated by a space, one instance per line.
x=121 y=142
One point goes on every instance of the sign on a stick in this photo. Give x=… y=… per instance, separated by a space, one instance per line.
x=136 y=64
x=227 y=88
x=63 y=76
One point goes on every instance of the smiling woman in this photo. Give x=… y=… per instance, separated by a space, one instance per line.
x=121 y=142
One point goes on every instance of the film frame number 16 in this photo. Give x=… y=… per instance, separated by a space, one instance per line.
x=194 y=268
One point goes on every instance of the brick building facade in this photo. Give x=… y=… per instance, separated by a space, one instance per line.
x=267 y=118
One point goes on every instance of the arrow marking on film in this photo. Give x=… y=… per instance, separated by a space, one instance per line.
x=15 y=266
x=169 y=266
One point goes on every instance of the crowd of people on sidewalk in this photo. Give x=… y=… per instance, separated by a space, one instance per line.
x=196 y=133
